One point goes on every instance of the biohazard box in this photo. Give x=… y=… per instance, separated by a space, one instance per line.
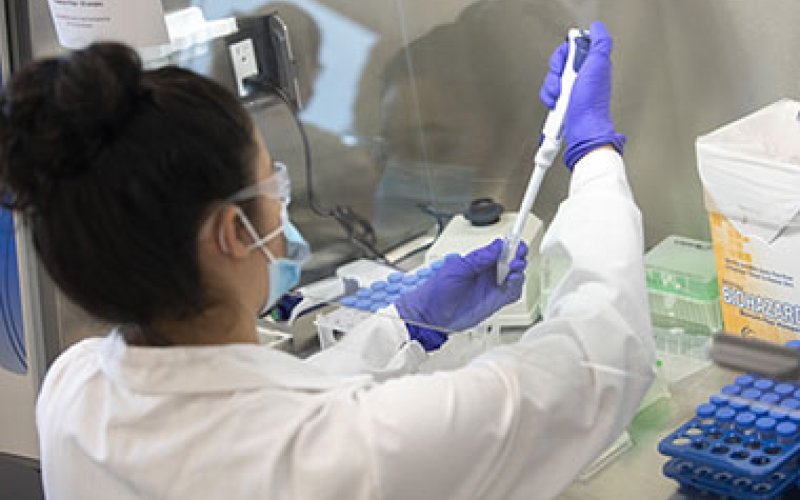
x=750 y=171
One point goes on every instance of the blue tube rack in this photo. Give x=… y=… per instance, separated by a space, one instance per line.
x=382 y=294
x=743 y=443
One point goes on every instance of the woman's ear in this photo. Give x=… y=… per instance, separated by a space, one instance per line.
x=233 y=241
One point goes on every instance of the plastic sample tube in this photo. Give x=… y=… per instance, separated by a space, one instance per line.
x=720 y=399
x=779 y=414
x=759 y=409
x=787 y=432
x=765 y=426
x=724 y=417
x=745 y=422
x=705 y=415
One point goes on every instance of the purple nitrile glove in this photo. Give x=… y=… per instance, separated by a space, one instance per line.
x=587 y=124
x=461 y=294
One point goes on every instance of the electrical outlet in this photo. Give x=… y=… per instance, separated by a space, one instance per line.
x=243 y=56
x=261 y=49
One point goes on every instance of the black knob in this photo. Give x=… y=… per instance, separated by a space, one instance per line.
x=483 y=212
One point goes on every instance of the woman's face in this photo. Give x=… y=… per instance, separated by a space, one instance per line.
x=234 y=269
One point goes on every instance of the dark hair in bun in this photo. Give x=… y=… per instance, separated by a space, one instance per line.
x=114 y=168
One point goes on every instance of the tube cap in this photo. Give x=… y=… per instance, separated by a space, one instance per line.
x=759 y=410
x=725 y=415
x=720 y=399
x=706 y=410
x=763 y=384
x=765 y=423
x=409 y=280
x=746 y=419
x=739 y=404
x=770 y=398
x=786 y=429
x=751 y=394
x=779 y=413
x=731 y=390
x=396 y=277
x=424 y=273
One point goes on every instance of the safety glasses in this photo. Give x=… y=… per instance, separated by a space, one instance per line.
x=276 y=186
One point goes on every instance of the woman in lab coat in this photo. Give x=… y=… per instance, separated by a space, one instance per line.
x=153 y=206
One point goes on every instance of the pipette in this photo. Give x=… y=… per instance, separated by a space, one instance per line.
x=552 y=135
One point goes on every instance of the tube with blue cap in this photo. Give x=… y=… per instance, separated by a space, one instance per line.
x=552 y=135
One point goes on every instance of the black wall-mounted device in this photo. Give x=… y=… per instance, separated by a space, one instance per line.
x=261 y=51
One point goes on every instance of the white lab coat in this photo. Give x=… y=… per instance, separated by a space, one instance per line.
x=247 y=422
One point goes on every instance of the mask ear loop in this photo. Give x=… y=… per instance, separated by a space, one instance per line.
x=222 y=245
x=259 y=243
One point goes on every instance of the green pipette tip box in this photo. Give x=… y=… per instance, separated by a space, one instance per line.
x=682 y=285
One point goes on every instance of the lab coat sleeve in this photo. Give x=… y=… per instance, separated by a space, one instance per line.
x=380 y=346
x=522 y=420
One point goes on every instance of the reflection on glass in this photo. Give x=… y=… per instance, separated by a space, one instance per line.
x=459 y=110
x=403 y=119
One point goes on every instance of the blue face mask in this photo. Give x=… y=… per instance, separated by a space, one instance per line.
x=284 y=272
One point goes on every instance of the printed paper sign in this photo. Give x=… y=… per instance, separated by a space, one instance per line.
x=139 y=23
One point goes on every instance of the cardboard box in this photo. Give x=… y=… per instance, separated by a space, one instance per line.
x=750 y=170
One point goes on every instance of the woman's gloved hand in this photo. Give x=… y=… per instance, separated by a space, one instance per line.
x=587 y=124
x=461 y=294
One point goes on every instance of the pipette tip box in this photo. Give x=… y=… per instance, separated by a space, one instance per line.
x=682 y=285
